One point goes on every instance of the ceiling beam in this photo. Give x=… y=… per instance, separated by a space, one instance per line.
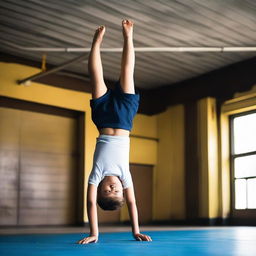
x=136 y=49
x=52 y=70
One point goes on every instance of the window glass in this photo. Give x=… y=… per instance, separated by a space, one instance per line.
x=251 y=191
x=240 y=194
x=244 y=133
x=245 y=166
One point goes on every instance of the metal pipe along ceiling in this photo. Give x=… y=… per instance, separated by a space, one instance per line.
x=137 y=49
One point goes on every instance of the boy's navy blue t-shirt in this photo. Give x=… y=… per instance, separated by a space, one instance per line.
x=115 y=109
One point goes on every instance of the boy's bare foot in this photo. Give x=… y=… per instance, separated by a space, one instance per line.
x=98 y=36
x=127 y=28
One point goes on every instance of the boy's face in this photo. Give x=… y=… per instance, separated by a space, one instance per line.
x=111 y=186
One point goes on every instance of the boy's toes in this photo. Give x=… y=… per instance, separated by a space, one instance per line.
x=127 y=22
x=100 y=28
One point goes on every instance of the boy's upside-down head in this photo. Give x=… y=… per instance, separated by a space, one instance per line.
x=110 y=194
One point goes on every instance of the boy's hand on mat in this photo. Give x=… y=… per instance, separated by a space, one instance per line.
x=89 y=239
x=142 y=237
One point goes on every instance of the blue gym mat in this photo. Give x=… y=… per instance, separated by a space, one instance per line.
x=230 y=241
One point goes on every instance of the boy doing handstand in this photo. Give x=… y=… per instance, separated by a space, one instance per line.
x=113 y=111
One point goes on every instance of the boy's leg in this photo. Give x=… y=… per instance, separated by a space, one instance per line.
x=99 y=87
x=128 y=58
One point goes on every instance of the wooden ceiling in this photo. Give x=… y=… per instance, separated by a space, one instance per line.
x=163 y=23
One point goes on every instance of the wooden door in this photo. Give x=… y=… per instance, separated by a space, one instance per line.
x=142 y=176
x=38 y=168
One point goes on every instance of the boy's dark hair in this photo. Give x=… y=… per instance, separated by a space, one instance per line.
x=110 y=203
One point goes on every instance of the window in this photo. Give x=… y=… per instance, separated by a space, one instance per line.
x=243 y=157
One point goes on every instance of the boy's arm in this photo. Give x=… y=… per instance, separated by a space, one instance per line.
x=133 y=212
x=92 y=215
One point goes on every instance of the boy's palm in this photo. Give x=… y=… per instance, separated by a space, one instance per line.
x=142 y=237
x=89 y=239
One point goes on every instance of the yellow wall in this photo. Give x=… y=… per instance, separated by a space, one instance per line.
x=144 y=150
x=79 y=101
x=208 y=159
x=170 y=187
x=169 y=182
